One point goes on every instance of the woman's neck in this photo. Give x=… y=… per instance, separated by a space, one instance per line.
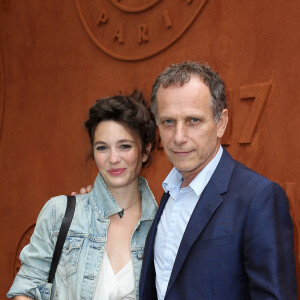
x=127 y=195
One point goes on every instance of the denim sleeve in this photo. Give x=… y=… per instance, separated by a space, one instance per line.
x=36 y=257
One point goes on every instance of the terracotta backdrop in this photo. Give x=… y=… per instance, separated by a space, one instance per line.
x=57 y=57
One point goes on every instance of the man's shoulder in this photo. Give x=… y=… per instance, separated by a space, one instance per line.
x=241 y=168
x=249 y=179
x=242 y=174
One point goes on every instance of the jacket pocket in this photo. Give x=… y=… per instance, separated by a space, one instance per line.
x=216 y=242
x=43 y=291
x=70 y=255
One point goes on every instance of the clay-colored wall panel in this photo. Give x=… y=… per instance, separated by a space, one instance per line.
x=51 y=71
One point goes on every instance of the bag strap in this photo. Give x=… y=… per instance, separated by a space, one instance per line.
x=64 y=228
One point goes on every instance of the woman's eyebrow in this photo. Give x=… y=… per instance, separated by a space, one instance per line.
x=99 y=142
x=126 y=141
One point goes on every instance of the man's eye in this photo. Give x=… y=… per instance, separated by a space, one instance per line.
x=167 y=122
x=195 y=120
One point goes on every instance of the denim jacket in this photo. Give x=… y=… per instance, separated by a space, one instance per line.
x=79 y=266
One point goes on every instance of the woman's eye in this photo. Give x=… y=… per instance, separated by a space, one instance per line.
x=125 y=146
x=101 y=148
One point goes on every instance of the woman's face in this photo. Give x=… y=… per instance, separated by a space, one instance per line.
x=117 y=154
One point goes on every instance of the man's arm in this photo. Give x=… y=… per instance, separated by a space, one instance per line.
x=83 y=190
x=269 y=245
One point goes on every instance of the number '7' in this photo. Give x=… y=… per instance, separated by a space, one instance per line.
x=260 y=93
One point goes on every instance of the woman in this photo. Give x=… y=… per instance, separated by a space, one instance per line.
x=102 y=255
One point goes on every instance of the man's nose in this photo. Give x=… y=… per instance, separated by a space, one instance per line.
x=180 y=133
x=114 y=156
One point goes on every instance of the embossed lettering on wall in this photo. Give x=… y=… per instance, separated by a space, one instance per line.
x=135 y=29
x=259 y=93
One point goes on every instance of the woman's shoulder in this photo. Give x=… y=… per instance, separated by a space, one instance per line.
x=52 y=211
x=55 y=208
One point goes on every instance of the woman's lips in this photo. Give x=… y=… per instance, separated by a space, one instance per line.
x=116 y=172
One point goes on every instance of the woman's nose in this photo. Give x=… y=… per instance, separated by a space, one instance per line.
x=114 y=156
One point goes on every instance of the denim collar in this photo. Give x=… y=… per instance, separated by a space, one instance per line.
x=105 y=205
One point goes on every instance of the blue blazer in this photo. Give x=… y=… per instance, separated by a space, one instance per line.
x=237 y=245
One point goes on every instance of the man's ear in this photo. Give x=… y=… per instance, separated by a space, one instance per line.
x=146 y=155
x=222 y=123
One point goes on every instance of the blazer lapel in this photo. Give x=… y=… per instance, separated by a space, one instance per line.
x=147 y=278
x=149 y=246
x=207 y=204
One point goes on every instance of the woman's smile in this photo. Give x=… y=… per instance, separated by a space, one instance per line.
x=117 y=171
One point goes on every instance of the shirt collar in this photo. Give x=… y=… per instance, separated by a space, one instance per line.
x=173 y=181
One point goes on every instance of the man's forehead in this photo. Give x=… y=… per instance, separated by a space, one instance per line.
x=180 y=81
x=183 y=110
x=192 y=90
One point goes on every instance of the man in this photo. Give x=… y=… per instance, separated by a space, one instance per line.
x=222 y=231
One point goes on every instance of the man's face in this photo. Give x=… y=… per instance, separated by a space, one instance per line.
x=189 y=134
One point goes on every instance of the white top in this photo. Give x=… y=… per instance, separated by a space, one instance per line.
x=111 y=286
x=175 y=218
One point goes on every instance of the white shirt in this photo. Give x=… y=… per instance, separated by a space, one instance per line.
x=175 y=218
x=111 y=286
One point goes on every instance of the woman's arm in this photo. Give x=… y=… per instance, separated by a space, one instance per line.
x=21 y=298
x=36 y=257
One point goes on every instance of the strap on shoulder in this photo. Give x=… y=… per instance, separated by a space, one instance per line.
x=64 y=228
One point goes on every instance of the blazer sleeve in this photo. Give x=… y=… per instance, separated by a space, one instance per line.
x=268 y=245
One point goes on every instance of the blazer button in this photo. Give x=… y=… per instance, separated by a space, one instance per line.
x=140 y=256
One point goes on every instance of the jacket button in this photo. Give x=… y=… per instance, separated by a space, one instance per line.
x=68 y=246
x=140 y=256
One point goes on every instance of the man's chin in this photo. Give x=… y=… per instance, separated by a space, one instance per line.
x=187 y=168
x=183 y=168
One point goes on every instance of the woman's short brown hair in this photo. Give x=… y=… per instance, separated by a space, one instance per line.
x=131 y=111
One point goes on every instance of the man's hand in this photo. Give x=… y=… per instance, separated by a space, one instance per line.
x=83 y=190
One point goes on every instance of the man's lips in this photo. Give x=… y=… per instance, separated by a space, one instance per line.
x=182 y=152
x=116 y=172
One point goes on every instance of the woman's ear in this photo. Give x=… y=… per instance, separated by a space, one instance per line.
x=146 y=155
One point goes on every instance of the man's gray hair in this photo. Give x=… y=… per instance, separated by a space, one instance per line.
x=179 y=74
